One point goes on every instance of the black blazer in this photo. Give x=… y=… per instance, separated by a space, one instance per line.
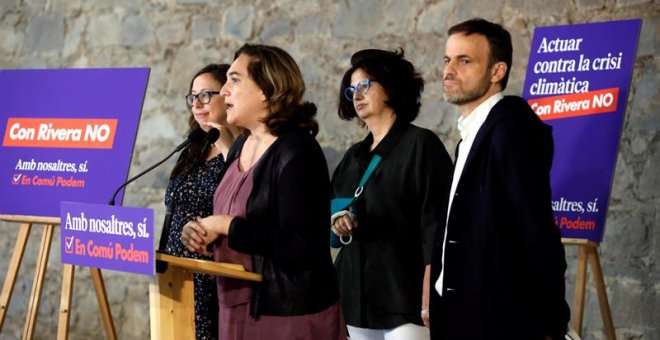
x=504 y=262
x=286 y=228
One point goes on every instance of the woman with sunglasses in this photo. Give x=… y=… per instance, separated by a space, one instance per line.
x=193 y=181
x=383 y=267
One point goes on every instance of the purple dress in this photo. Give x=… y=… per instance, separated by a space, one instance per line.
x=234 y=295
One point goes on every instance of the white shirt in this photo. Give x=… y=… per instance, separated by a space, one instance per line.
x=468 y=128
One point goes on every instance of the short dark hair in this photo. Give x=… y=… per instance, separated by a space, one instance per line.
x=499 y=41
x=193 y=153
x=402 y=83
x=280 y=79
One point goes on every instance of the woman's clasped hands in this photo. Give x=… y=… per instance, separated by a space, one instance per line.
x=200 y=232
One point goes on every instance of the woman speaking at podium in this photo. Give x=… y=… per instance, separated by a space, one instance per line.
x=272 y=207
x=192 y=183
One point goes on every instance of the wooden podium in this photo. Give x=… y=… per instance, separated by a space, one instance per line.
x=171 y=297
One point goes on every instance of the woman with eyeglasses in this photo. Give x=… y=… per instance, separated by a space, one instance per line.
x=383 y=267
x=193 y=181
x=272 y=207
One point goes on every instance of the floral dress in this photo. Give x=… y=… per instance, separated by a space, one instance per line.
x=190 y=195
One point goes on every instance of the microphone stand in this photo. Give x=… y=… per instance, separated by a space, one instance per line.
x=181 y=146
x=195 y=135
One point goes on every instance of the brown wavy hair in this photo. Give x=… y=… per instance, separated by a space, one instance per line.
x=280 y=79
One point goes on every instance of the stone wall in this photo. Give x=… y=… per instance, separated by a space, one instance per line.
x=176 y=37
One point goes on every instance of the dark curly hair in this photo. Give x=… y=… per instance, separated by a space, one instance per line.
x=402 y=83
x=280 y=79
x=193 y=153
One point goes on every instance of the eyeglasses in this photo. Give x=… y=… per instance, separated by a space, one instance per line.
x=362 y=87
x=203 y=97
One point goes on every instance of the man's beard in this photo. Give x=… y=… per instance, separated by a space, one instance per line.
x=470 y=95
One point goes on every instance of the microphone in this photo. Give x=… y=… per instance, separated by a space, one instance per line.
x=194 y=136
x=211 y=137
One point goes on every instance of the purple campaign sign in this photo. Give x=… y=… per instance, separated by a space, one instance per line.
x=578 y=79
x=108 y=237
x=68 y=135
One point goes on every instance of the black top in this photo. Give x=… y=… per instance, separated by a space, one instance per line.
x=286 y=228
x=381 y=271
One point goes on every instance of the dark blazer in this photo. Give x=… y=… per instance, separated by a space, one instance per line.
x=504 y=262
x=286 y=228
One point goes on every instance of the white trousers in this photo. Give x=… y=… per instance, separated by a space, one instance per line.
x=408 y=331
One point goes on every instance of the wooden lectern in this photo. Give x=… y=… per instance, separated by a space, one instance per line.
x=171 y=297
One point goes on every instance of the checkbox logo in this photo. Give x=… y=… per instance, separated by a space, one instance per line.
x=16 y=179
x=68 y=246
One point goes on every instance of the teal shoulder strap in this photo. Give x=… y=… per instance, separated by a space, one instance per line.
x=375 y=160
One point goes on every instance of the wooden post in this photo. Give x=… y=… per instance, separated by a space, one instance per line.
x=65 y=301
x=580 y=289
x=104 y=307
x=605 y=312
x=38 y=283
x=588 y=253
x=12 y=270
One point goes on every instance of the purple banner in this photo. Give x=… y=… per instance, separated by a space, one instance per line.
x=108 y=237
x=578 y=79
x=68 y=135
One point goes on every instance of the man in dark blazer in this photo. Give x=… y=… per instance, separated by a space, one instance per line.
x=498 y=264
